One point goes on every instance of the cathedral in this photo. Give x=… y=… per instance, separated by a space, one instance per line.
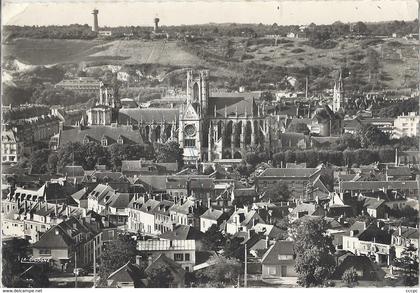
x=207 y=126
x=219 y=126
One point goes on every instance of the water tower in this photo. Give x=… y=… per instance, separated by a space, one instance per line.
x=95 y=20
x=156 y=21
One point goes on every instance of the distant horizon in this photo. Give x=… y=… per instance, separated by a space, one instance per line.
x=214 y=23
x=179 y=13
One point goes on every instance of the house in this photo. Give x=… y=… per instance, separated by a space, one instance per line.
x=399 y=173
x=369 y=240
x=147 y=216
x=175 y=268
x=163 y=218
x=366 y=269
x=306 y=209
x=407 y=187
x=279 y=260
x=183 y=232
x=242 y=220
x=186 y=212
x=407 y=125
x=297 y=179
x=375 y=207
x=403 y=237
x=211 y=217
x=11 y=147
x=64 y=242
x=116 y=180
x=181 y=252
x=128 y=276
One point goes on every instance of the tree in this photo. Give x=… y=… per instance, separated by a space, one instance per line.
x=233 y=248
x=314 y=248
x=39 y=161
x=223 y=272
x=52 y=163
x=280 y=192
x=370 y=135
x=213 y=239
x=350 y=276
x=160 y=277
x=408 y=265
x=12 y=252
x=117 y=254
x=169 y=152
x=208 y=170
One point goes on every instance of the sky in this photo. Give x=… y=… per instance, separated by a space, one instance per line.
x=129 y=12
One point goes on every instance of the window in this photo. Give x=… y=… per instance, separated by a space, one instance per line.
x=187 y=257
x=189 y=143
x=120 y=140
x=45 y=251
x=104 y=142
x=178 y=257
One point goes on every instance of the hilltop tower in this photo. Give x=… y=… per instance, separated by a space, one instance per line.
x=156 y=22
x=95 y=20
x=338 y=95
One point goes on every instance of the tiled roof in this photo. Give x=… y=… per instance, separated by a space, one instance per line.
x=73 y=171
x=167 y=262
x=128 y=273
x=271 y=257
x=165 y=245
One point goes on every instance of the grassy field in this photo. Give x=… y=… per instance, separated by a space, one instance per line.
x=43 y=52
x=397 y=57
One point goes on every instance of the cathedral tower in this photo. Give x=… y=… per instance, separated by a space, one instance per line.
x=338 y=95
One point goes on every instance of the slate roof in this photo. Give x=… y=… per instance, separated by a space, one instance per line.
x=54 y=238
x=288 y=172
x=241 y=103
x=134 y=116
x=212 y=214
x=126 y=274
x=182 y=232
x=162 y=259
x=373 y=203
x=407 y=232
x=375 y=185
x=176 y=183
x=202 y=183
x=95 y=133
x=149 y=206
x=281 y=247
x=398 y=171
x=163 y=207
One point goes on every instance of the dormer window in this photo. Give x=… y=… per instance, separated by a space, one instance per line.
x=120 y=140
x=85 y=140
x=104 y=141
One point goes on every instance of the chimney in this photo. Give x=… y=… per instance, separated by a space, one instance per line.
x=138 y=259
x=149 y=260
x=246 y=209
x=209 y=202
x=266 y=241
x=399 y=230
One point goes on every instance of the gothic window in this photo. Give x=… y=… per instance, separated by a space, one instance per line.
x=189 y=143
x=195 y=92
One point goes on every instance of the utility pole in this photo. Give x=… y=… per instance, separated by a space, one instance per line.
x=94 y=262
x=75 y=268
x=246 y=269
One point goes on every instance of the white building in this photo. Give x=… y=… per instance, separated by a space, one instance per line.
x=407 y=125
